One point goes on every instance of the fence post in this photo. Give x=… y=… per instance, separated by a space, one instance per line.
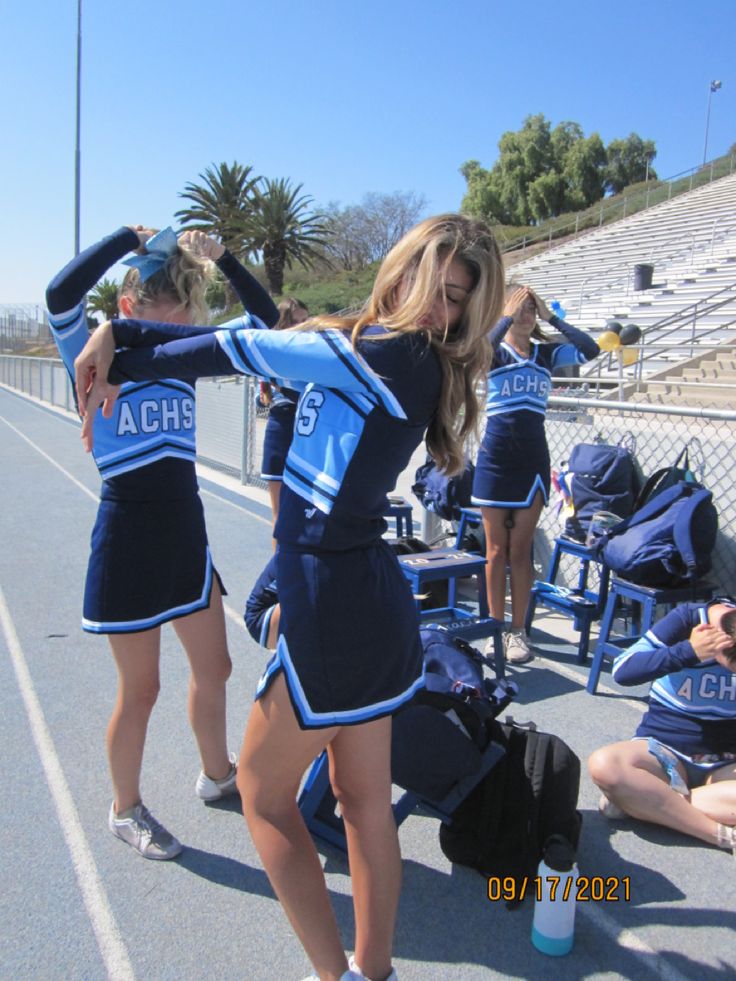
x=600 y=219
x=625 y=202
x=577 y=223
x=669 y=190
x=245 y=445
x=711 y=171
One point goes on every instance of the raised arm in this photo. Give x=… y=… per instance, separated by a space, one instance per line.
x=252 y=295
x=69 y=287
x=585 y=347
x=677 y=641
x=325 y=358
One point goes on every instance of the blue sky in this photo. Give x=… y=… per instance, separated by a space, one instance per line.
x=392 y=95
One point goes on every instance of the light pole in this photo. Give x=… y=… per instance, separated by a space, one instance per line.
x=714 y=86
x=77 y=154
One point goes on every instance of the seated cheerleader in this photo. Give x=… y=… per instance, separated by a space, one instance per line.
x=679 y=770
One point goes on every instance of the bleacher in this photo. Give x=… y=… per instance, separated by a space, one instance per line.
x=691 y=306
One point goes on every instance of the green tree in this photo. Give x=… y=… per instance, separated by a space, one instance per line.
x=103 y=299
x=285 y=230
x=629 y=161
x=222 y=205
x=542 y=172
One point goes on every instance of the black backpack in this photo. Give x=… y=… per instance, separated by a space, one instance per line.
x=531 y=794
x=439 y=737
x=599 y=477
x=662 y=480
x=667 y=542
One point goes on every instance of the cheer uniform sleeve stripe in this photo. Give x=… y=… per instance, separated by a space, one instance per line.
x=322 y=357
x=660 y=651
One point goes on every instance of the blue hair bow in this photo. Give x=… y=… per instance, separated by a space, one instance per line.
x=159 y=248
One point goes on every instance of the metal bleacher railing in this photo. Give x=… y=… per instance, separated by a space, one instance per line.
x=610 y=210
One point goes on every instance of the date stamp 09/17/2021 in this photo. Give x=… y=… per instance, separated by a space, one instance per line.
x=580 y=889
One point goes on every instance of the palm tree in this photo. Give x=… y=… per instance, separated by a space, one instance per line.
x=222 y=205
x=284 y=229
x=104 y=299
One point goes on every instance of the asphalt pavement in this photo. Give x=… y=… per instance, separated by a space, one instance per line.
x=77 y=903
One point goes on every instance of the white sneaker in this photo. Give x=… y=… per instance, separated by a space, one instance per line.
x=517 y=646
x=141 y=830
x=610 y=810
x=356 y=971
x=208 y=789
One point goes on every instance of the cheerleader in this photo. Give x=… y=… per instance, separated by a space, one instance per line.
x=149 y=561
x=371 y=386
x=512 y=474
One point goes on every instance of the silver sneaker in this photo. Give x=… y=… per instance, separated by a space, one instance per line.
x=141 y=830
x=208 y=789
x=517 y=646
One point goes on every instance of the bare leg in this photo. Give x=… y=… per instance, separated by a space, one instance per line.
x=631 y=777
x=497 y=545
x=275 y=754
x=717 y=798
x=136 y=657
x=521 y=572
x=360 y=772
x=203 y=637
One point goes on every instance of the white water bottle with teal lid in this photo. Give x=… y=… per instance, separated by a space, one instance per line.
x=553 y=926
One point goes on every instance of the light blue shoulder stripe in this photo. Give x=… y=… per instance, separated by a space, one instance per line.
x=648 y=642
x=371 y=380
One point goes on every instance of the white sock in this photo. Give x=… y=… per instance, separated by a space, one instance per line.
x=726 y=836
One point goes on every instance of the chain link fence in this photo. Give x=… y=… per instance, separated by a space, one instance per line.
x=658 y=435
x=230 y=430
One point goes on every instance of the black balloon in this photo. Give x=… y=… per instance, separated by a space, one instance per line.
x=631 y=334
x=614 y=326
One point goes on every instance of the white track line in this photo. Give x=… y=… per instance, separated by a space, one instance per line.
x=231 y=613
x=110 y=943
x=238 y=507
x=53 y=462
x=650 y=959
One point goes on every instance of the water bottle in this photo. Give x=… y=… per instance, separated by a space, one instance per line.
x=554 y=906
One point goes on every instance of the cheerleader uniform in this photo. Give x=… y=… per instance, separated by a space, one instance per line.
x=279 y=432
x=361 y=415
x=692 y=703
x=149 y=559
x=513 y=462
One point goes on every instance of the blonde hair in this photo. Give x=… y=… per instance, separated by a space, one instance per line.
x=182 y=280
x=406 y=285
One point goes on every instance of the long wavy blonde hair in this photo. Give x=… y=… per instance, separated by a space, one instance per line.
x=409 y=280
x=182 y=280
